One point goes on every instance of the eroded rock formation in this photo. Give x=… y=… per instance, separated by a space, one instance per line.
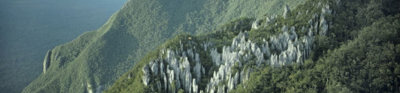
x=182 y=68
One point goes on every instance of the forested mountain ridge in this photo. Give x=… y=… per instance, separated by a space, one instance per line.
x=94 y=60
x=29 y=28
x=319 y=46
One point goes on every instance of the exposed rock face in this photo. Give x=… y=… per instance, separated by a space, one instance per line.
x=256 y=24
x=146 y=76
x=182 y=67
x=99 y=89
x=286 y=12
x=195 y=86
x=288 y=50
x=129 y=75
x=180 y=74
x=46 y=62
x=216 y=57
x=270 y=20
x=323 y=23
x=89 y=87
x=174 y=69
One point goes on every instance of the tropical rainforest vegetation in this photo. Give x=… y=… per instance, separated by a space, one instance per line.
x=360 y=52
x=98 y=58
x=234 y=46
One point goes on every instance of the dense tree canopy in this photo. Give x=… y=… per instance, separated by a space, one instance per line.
x=355 y=47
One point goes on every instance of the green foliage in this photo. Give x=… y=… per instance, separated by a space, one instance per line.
x=238 y=25
x=260 y=34
x=216 y=13
x=181 y=91
x=356 y=55
x=30 y=28
x=141 y=26
x=367 y=63
x=235 y=68
x=218 y=38
x=337 y=64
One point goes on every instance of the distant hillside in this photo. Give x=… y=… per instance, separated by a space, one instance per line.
x=29 y=28
x=319 y=46
x=94 y=60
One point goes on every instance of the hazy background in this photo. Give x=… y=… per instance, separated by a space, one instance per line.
x=28 y=28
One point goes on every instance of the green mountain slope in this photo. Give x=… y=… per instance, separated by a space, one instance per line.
x=95 y=59
x=319 y=46
x=216 y=13
x=29 y=28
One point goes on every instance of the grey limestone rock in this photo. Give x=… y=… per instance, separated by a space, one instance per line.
x=183 y=68
x=46 y=62
x=293 y=34
x=187 y=85
x=285 y=28
x=146 y=76
x=216 y=57
x=323 y=26
x=221 y=89
x=265 y=48
x=323 y=22
x=326 y=10
x=129 y=76
x=99 y=89
x=286 y=12
x=274 y=60
x=206 y=45
x=154 y=67
x=89 y=87
x=270 y=20
x=195 y=86
x=256 y=24
x=197 y=70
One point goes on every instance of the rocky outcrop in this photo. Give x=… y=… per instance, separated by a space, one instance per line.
x=182 y=68
x=174 y=67
x=89 y=87
x=146 y=75
x=174 y=70
x=323 y=22
x=286 y=12
x=256 y=24
x=288 y=50
x=270 y=20
x=46 y=62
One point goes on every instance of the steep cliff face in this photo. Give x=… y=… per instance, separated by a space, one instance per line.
x=218 y=62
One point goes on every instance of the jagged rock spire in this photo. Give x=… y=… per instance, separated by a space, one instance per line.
x=286 y=12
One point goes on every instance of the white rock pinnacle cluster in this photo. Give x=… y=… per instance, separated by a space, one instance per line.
x=182 y=68
x=173 y=71
x=287 y=47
